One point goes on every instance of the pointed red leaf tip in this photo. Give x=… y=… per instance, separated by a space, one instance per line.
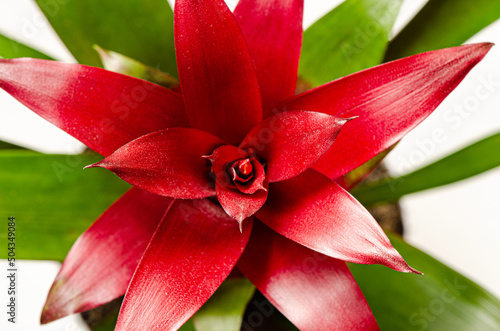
x=216 y=71
x=273 y=31
x=239 y=205
x=314 y=291
x=241 y=183
x=100 y=264
x=291 y=142
x=193 y=250
x=325 y=218
x=390 y=100
x=243 y=170
x=98 y=107
x=168 y=162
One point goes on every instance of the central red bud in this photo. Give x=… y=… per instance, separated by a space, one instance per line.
x=245 y=167
x=238 y=169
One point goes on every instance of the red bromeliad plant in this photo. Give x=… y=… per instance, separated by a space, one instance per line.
x=233 y=171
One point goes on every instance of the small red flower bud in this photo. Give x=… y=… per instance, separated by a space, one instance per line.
x=245 y=167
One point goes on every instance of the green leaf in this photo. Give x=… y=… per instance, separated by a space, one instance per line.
x=224 y=310
x=6 y=145
x=122 y=64
x=441 y=299
x=53 y=200
x=10 y=49
x=470 y=161
x=352 y=37
x=188 y=326
x=108 y=323
x=441 y=24
x=142 y=30
x=359 y=174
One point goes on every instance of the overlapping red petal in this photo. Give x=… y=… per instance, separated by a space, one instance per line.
x=220 y=158
x=239 y=205
x=256 y=183
x=102 y=109
x=240 y=197
x=216 y=71
x=314 y=291
x=289 y=143
x=316 y=212
x=100 y=264
x=273 y=31
x=168 y=162
x=141 y=127
x=390 y=100
x=193 y=250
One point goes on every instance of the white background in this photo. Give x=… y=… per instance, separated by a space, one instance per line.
x=458 y=224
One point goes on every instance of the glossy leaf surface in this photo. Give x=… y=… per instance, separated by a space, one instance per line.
x=10 y=49
x=470 y=161
x=352 y=37
x=441 y=299
x=122 y=64
x=141 y=30
x=273 y=32
x=167 y=162
x=98 y=107
x=53 y=199
x=390 y=100
x=315 y=292
x=99 y=266
x=456 y=21
x=191 y=253
x=327 y=219
x=210 y=47
x=289 y=143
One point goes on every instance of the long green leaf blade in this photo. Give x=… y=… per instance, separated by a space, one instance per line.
x=441 y=299
x=441 y=24
x=9 y=49
x=122 y=64
x=351 y=37
x=470 y=161
x=142 y=30
x=53 y=200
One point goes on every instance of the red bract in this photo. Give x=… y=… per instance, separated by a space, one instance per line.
x=258 y=161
